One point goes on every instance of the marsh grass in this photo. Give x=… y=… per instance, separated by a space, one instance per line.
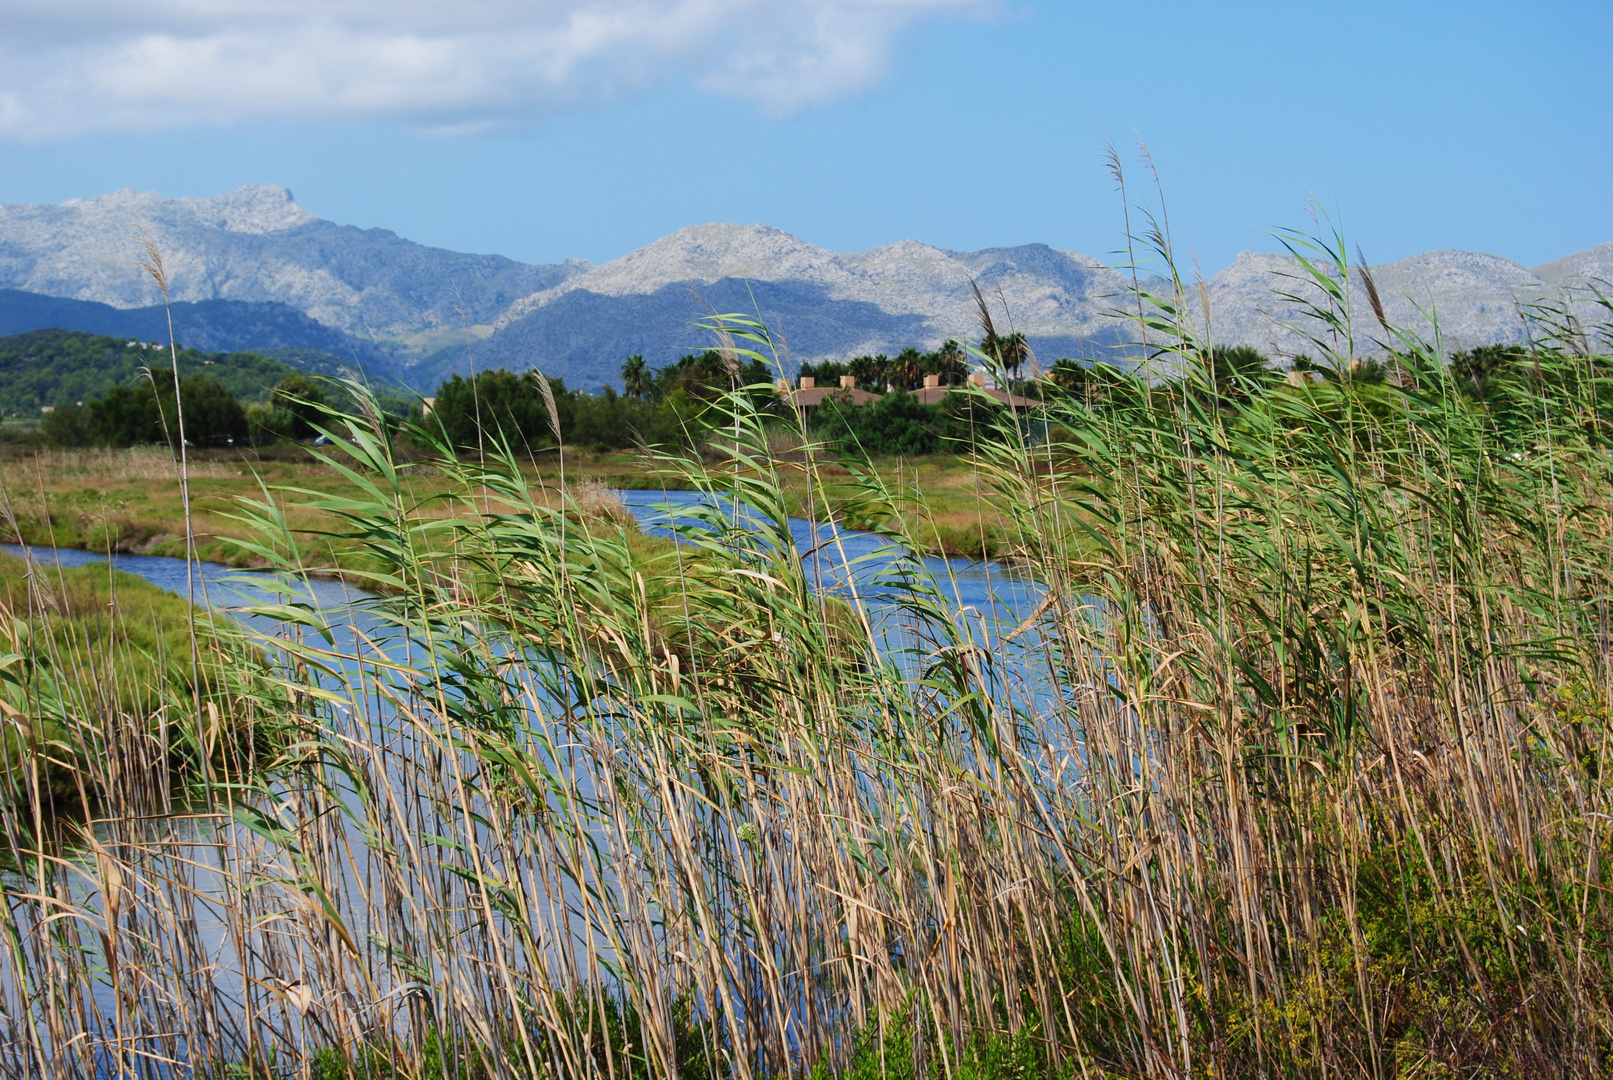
x=1298 y=767
x=96 y=656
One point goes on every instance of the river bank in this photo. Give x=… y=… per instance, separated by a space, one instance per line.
x=128 y=501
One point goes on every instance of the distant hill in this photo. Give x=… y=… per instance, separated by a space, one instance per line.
x=209 y=325
x=56 y=367
x=257 y=245
x=253 y=270
x=827 y=304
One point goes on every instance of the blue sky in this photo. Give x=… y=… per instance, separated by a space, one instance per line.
x=961 y=123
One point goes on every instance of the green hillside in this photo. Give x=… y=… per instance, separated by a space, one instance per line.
x=58 y=367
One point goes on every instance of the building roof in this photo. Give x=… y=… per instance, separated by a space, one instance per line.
x=814 y=396
x=934 y=395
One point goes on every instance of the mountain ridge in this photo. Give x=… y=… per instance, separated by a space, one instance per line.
x=829 y=304
x=256 y=244
x=419 y=312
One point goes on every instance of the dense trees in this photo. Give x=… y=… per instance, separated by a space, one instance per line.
x=664 y=407
x=670 y=406
x=494 y=402
x=108 y=391
x=898 y=423
x=145 y=412
x=1479 y=370
x=905 y=372
x=45 y=368
x=895 y=424
x=67 y=425
x=296 y=401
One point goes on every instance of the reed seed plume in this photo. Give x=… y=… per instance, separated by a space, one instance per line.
x=1371 y=286
x=549 y=406
x=983 y=312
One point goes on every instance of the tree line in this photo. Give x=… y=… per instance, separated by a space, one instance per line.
x=668 y=407
x=149 y=411
x=664 y=407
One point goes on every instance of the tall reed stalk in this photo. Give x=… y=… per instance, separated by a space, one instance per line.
x=1295 y=765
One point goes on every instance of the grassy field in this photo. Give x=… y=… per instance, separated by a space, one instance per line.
x=95 y=658
x=128 y=500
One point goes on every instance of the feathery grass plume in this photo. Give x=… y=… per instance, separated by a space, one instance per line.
x=1372 y=290
x=153 y=266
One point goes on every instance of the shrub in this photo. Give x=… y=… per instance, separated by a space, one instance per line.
x=895 y=424
x=146 y=413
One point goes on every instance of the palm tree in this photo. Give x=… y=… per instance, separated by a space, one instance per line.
x=907 y=371
x=1011 y=351
x=635 y=376
x=950 y=364
x=867 y=370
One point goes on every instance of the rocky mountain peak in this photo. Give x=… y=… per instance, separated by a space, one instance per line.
x=256 y=245
x=255 y=208
x=1593 y=266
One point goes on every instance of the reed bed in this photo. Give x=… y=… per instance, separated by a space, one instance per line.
x=1296 y=768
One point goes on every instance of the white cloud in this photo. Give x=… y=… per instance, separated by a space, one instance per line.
x=72 y=66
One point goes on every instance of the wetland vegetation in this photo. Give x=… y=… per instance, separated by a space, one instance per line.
x=1298 y=766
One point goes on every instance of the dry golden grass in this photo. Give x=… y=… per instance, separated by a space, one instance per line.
x=127 y=500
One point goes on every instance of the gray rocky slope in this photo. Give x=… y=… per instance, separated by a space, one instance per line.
x=579 y=322
x=1458 y=298
x=256 y=244
x=839 y=305
x=822 y=304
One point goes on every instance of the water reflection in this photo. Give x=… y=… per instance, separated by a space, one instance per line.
x=993 y=599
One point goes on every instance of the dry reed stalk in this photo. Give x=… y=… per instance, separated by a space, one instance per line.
x=1309 y=720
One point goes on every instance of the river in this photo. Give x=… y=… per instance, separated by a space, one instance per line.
x=990 y=596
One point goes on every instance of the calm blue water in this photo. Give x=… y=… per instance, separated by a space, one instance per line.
x=837 y=560
x=841 y=560
x=219 y=586
x=990 y=597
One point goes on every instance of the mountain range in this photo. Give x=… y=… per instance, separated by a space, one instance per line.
x=252 y=269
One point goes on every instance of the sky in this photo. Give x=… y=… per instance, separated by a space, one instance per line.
x=551 y=129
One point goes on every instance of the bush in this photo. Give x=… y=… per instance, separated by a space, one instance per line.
x=68 y=426
x=145 y=413
x=296 y=401
x=896 y=424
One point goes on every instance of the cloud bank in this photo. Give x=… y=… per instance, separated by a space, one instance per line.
x=68 y=67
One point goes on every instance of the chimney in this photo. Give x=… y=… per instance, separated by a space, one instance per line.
x=808 y=382
x=977 y=379
x=782 y=386
x=848 y=382
x=931 y=382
